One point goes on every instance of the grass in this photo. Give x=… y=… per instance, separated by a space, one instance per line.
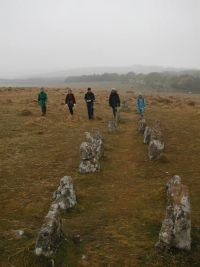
x=121 y=208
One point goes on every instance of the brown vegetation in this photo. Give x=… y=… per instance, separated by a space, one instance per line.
x=120 y=210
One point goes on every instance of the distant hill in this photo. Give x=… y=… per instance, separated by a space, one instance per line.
x=59 y=77
x=119 y=70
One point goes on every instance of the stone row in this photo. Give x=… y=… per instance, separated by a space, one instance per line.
x=176 y=227
x=153 y=137
x=90 y=153
x=51 y=235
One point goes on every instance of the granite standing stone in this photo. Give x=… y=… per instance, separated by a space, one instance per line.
x=90 y=153
x=176 y=227
x=142 y=125
x=65 y=196
x=156 y=145
x=147 y=135
x=50 y=235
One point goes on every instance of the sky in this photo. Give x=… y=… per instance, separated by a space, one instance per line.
x=41 y=36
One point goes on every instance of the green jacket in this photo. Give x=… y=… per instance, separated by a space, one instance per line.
x=42 y=98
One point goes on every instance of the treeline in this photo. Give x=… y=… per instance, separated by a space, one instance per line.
x=185 y=81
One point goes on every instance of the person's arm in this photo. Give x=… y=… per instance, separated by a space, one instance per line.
x=93 y=97
x=144 y=103
x=74 y=100
x=137 y=103
x=66 y=99
x=109 y=100
x=118 y=101
x=38 y=97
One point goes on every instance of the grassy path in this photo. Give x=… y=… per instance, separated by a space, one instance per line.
x=112 y=215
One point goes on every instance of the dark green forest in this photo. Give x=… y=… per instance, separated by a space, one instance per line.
x=183 y=81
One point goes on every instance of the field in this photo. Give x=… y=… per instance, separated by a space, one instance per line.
x=121 y=208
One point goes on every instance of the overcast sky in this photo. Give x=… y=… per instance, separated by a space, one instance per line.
x=39 y=36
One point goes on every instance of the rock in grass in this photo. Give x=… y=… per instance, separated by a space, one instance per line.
x=50 y=236
x=98 y=145
x=90 y=153
x=125 y=106
x=112 y=127
x=89 y=166
x=147 y=135
x=142 y=125
x=176 y=227
x=86 y=151
x=156 y=145
x=156 y=148
x=65 y=196
x=25 y=112
x=18 y=234
x=156 y=132
x=117 y=117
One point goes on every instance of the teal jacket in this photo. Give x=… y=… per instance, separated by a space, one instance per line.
x=42 y=98
x=140 y=104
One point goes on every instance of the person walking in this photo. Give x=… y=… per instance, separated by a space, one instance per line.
x=114 y=101
x=140 y=103
x=89 y=99
x=42 y=100
x=70 y=101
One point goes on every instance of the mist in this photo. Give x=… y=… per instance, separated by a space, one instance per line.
x=41 y=36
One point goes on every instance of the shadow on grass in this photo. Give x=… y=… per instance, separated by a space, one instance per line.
x=173 y=257
x=67 y=255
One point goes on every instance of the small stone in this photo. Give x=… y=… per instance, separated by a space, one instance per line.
x=84 y=257
x=156 y=147
x=19 y=234
x=26 y=112
x=77 y=239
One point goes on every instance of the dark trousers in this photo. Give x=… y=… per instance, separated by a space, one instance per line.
x=44 y=110
x=71 y=109
x=114 y=109
x=90 y=110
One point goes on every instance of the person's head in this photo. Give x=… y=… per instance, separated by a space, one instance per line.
x=140 y=95
x=89 y=89
x=113 y=91
x=42 y=89
x=69 y=91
